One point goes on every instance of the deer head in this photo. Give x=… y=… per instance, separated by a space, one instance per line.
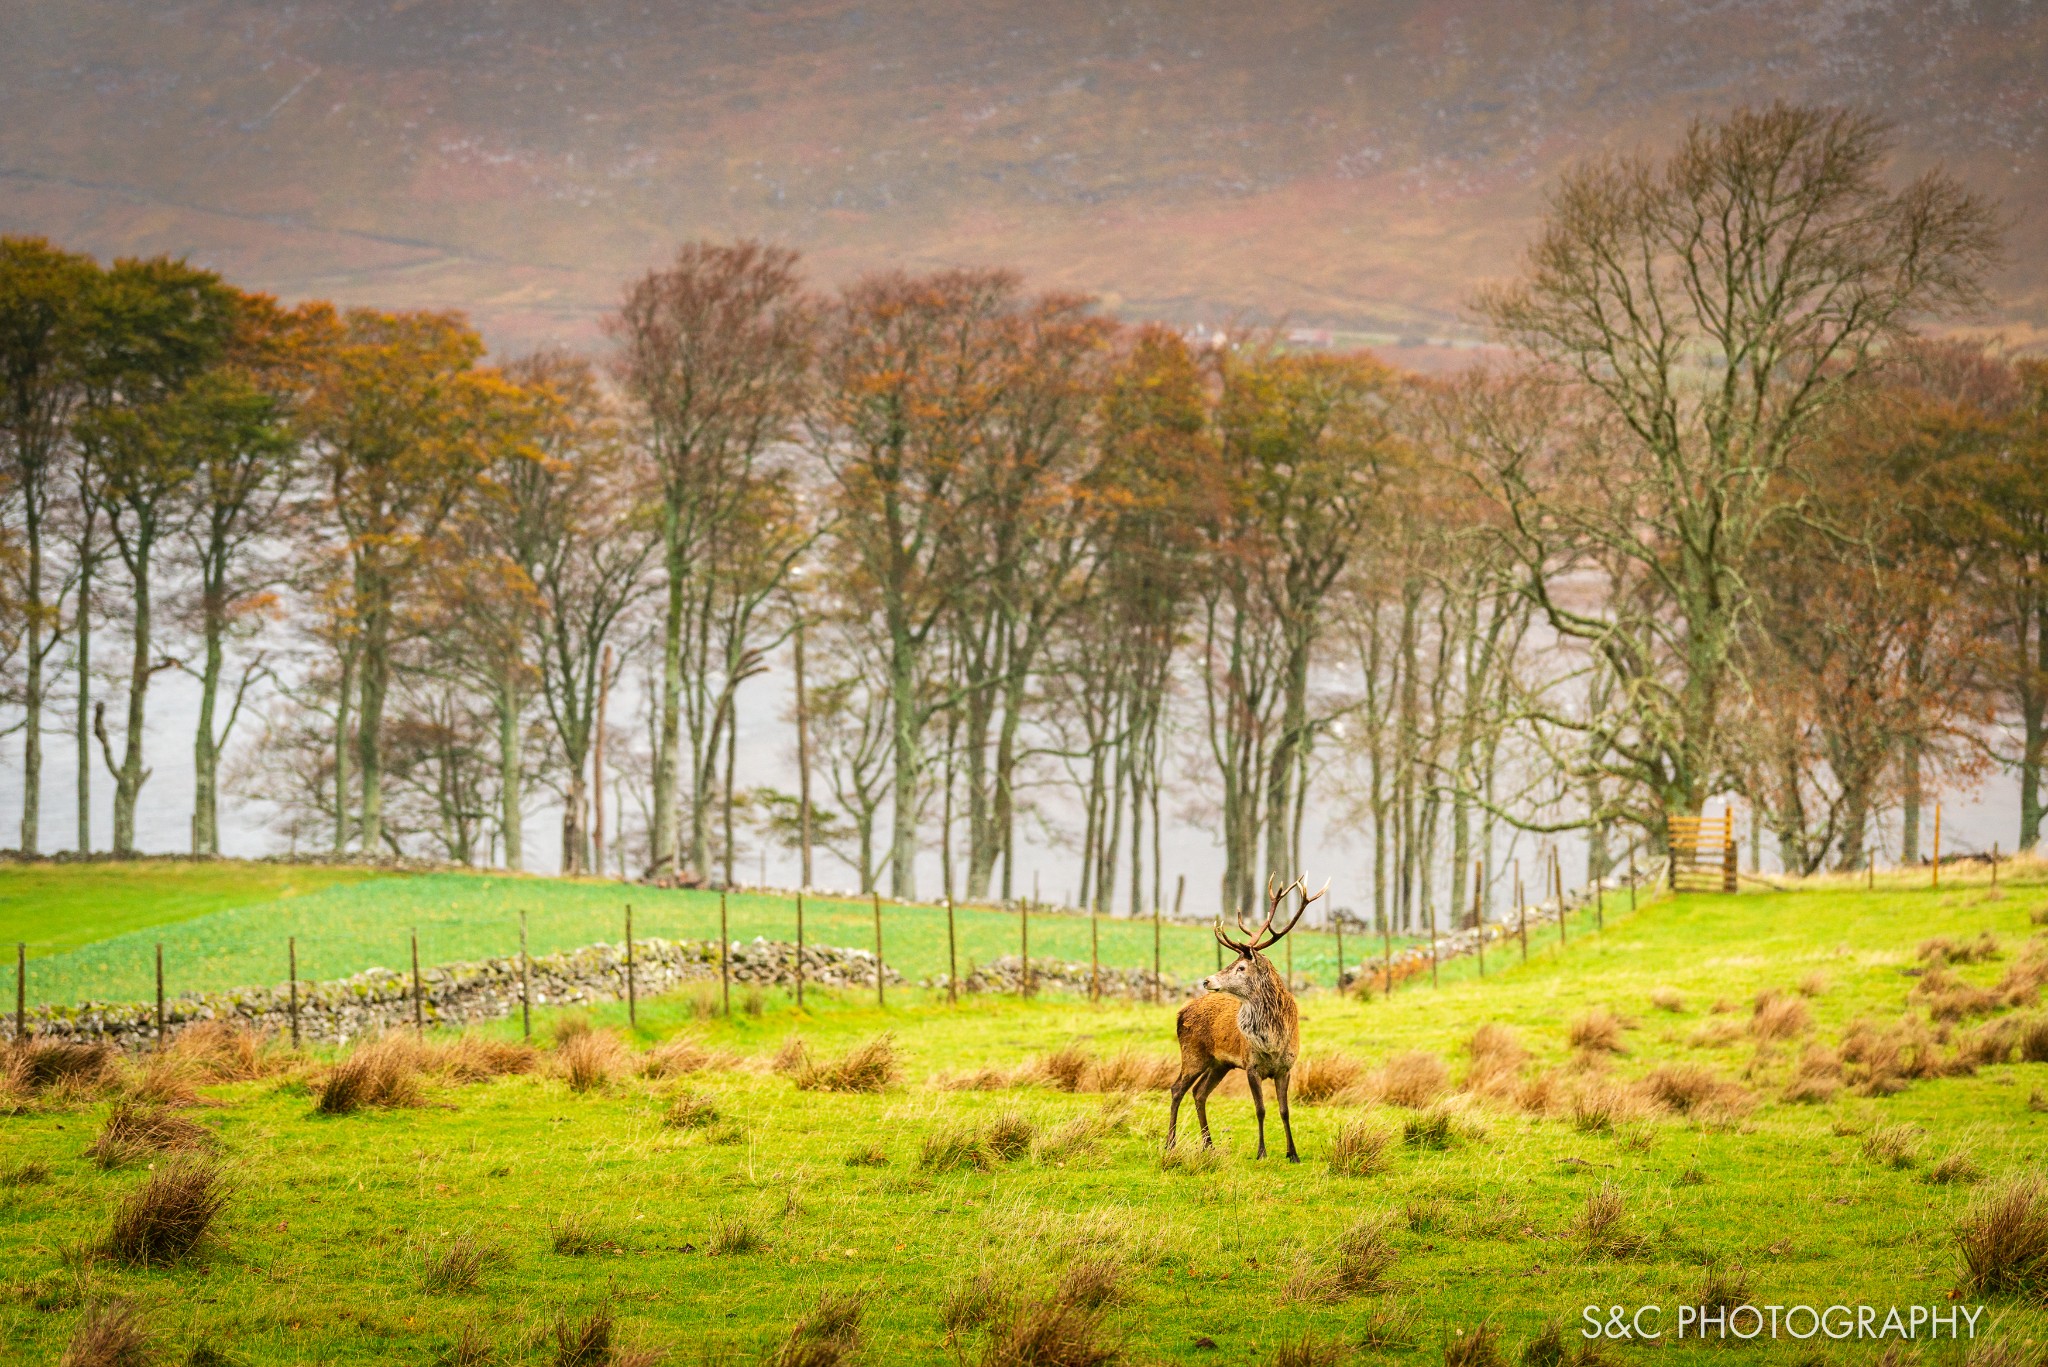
x=1250 y=973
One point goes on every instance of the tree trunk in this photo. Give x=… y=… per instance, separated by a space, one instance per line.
x=205 y=751
x=903 y=705
x=129 y=778
x=669 y=720
x=82 y=726
x=32 y=685
x=511 y=800
x=342 y=711
x=376 y=683
x=1909 y=801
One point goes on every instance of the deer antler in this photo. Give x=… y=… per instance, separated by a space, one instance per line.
x=1265 y=936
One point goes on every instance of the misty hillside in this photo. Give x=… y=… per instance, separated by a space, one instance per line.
x=1355 y=166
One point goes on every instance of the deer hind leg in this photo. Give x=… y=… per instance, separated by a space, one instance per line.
x=1180 y=1087
x=1207 y=1085
x=1286 y=1122
x=1258 y=1107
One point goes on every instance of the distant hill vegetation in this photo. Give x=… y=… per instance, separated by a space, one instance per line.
x=1354 y=167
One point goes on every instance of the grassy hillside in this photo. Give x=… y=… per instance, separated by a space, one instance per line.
x=57 y=907
x=714 y=1236
x=363 y=921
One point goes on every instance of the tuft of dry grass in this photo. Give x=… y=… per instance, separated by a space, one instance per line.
x=1817 y=1077
x=574 y=1235
x=1190 y=1157
x=36 y=1066
x=1064 y=1070
x=1893 y=1146
x=1884 y=1060
x=1009 y=1136
x=1049 y=1333
x=472 y=1348
x=1085 y=1131
x=1413 y=1079
x=1957 y=1167
x=2003 y=1239
x=971 y=1304
x=1389 y=1325
x=1665 y=999
x=1308 y=1351
x=980 y=1080
x=1814 y=984
x=160 y=1221
x=1604 y=1229
x=1426 y=1214
x=461 y=1265
x=110 y=1334
x=1543 y=1094
x=1480 y=1348
x=1091 y=1283
x=682 y=1056
x=1598 y=1032
x=31 y=1173
x=135 y=1132
x=1360 y=1149
x=2033 y=1041
x=1497 y=1057
x=952 y=1150
x=1688 y=1088
x=690 y=1111
x=1598 y=1108
x=229 y=1051
x=588 y=1344
x=733 y=1237
x=1717 y=1033
x=1942 y=950
x=826 y=1335
x=1129 y=1070
x=867 y=1068
x=166 y=1079
x=474 y=1058
x=1441 y=1127
x=589 y=1059
x=793 y=1057
x=867 y=1156
x=1778 y=1016
x=383 y=1072
x=1362 y=1258
x=1321 y=1077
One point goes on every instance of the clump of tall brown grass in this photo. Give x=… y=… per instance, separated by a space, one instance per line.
x=67 y=1068
x=1360 y=1149
x=1598 y=1032
x=133 y=1132
x=110 y=1334
x=1060 y=1328
x=682 y=1056
x=1064 y=1070
x=1130 y=1070
x=1480 y=1348
x=1604 y=1228
x=588 y=1060
x=825 y=1335
x=1361 y=1260
x=477 y=1058
x=1689 y=1089
x=1323 y=1077
x=229 y=1051
x=383 y=1072
x=1778 y=1016
x=868 y=1067
x=460 y=1265
x=2003 y=1239
x=1943 y=950
x=1413 y=1079
x=174 y=1208
x=1882 y=1060
x=1497 y=1056
x=1667 y=999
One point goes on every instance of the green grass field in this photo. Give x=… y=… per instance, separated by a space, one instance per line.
x=358 y=922
x=322 y=1251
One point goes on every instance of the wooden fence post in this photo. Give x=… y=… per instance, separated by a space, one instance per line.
x=1557 y=882
x=1478 y=912
x=419 y=1010
x=880 y=1000
x=1094 y=953
x=952 y=957
x=632 y=994
x=159 y=996
x=1337 y=923
x=1937 y=845
x=1387 y=944
x=1432 y=944
x=724 y=957
x=292 y=953
x=799 y=949
x=525 y=982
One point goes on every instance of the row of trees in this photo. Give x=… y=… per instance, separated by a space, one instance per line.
x=1727 y=526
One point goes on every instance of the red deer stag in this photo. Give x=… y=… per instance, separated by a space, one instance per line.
x=1246 y=1020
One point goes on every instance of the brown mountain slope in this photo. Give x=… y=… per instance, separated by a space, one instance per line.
x=1357 y=166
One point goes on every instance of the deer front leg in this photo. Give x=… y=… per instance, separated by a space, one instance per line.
x=1258 y=1107
x=1286 y=1122
x=1202 y=1090
x=1180 y=1087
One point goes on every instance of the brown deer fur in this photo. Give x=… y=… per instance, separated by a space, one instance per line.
x=1248 y=1020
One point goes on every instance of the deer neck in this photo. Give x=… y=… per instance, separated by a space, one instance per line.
x=1265 y=1016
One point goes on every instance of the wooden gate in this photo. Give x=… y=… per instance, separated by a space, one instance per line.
x=1703 y=853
